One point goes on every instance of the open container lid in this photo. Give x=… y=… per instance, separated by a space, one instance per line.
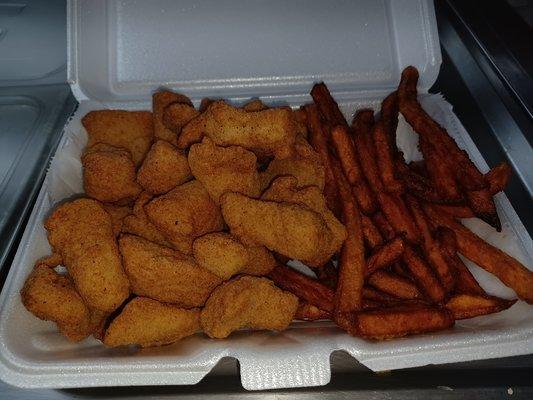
x=123 y=50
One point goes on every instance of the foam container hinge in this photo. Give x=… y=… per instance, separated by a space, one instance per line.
x=33 y=354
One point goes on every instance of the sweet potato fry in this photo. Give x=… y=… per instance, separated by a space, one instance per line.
x=423 y=275
x=399 y=269
x=463 y=169
x=440 y=172
x=345 y=149
x=511 y=272
x=369 y=293
x=389 y=116
x=394 y=285
x=361 y=128
x=349 y=161
x=430 y=246
x=471 y=305
x=328 y=275
x=371 y=304
x=456 y=211
x=304 y=287
x=482 y=204
x=383 y=226
x=384 y=255
x=342 y=142
x=308 y=312
x=385 y=158
x=371 y=233
x=318 y=141
x=327 y=105
x=464 y=280
x=419 y=167
x=352 y=257
x=397 y=321
x=416 y=184
x=398 y=216
x=365 y=197
x=498 y=177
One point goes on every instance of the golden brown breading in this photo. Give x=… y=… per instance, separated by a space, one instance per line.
x=147 y=322
x=177 y=115
x=260 y=261
x=82 y=233
x=255 y=105
x=300 y=118
x=98 y=323
x=53 y=297
x=139 y=224
x=285 y=189
x=109 y=174
x=132 y=130
x=117 y=214
x=220 y=253
x=268 y=132
x=293 y=230
x=247 y=302
x=164 y=168
x=204 y=104
x=165 y=274
x=304 y=164
x=52 y=260
x=290 y=229
x=160 y=100
x=186 y=210
x=224 y=255
x=224 y=169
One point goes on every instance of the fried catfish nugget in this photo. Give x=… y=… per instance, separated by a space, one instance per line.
x=285 y=189
x=270 y=132
x=132 y=130
x=224 y=169
x=164 y=168
x=304 y=165
x=260 y=261
x=53 y=297
x=139 y=224
x=293 y=230
x=177 y=115
x=109 y=174
x=165 y=274
x=224 y=255
x=255 y=105
x=220 y=253
x=160 y=101
x=247 y=302
x=117 y=214
x=187 y=210
x=82 y=233
x=146 y=322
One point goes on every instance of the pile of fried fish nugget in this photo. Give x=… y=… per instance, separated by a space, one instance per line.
x=191 y=216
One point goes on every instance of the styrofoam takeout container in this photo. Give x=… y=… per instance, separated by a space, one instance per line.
x=121 y=51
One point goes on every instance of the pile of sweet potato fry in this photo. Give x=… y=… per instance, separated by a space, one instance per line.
x=399 y=270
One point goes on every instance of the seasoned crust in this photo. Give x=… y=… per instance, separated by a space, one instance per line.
x=247 y=302
x=147 y=322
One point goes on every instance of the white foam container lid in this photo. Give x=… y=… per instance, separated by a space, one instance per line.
x=119 y=52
